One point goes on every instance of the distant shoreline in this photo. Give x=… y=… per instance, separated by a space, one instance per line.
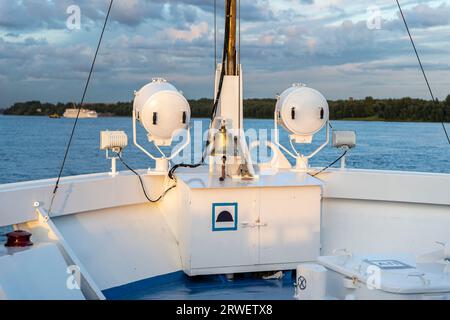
x=368 y=109
x=369 y=119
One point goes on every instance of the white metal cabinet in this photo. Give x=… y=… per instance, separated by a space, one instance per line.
x=275 y=227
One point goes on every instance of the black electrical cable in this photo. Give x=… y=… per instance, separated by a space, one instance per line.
x=421 y=65
x=330 y=165
x=216 y=102
x=142 y=182
x=55 y=190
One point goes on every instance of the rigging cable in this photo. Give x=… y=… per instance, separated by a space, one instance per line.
x=215 y=35
x=55 y=190
x=421 y=66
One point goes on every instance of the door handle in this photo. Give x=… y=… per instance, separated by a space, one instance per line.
x=261 y=224
x=247 y=224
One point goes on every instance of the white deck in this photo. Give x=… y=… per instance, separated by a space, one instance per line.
x=120 y=238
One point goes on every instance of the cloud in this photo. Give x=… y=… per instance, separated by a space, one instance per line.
x=423 y=15
x=322 y=43
x=195 y=31
x=51 y=14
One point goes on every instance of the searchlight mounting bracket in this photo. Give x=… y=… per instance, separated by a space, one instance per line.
x=163 y=112
x=303 y=112
x=162 y=161
x=301 y=161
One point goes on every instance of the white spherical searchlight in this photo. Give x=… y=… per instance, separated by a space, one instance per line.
x=164 y=113
x=303 y=112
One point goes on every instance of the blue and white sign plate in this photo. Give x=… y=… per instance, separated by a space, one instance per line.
x=224 y=216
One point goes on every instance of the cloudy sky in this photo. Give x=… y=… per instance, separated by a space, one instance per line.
x=336 y=46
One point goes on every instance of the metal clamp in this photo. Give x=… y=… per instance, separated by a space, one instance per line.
x=347 y=253
x=343 y=258
x=421 y=276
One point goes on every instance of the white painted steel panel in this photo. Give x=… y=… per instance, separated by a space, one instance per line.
x=292 y=216
x=99 y=191
x=38 y=273
x=210 y=249
x=363 y=226
x=122 y=245
x=75 y=194
x=395 y=186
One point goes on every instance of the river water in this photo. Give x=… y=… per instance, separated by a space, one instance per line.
x=33 y=147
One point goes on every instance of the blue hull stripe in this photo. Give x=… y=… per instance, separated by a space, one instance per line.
x=178 y=286
x=129 y=291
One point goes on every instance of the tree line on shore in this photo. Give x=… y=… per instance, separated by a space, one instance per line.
x=404 y=109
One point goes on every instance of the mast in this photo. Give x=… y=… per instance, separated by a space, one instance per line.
x=230 y=25
x=229 y=153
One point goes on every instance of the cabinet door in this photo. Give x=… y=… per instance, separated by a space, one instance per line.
x=217 y=240
x=290 y=224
